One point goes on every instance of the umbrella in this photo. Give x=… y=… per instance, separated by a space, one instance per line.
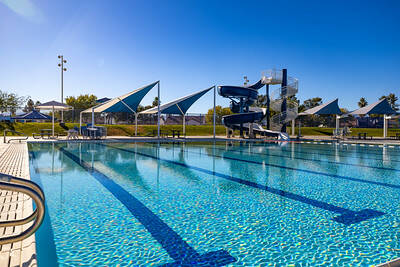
x=53 y=105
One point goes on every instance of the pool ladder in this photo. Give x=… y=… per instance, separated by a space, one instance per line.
x=14 y=184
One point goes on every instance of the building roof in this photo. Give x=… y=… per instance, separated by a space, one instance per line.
x=380 y=107
x=124 y=103
x=179 y=106
x=328 y=108
x=33 y=115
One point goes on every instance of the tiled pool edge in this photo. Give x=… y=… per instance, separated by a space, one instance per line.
x=15 y=161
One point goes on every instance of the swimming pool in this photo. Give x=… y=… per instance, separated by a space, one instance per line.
x=217 y=204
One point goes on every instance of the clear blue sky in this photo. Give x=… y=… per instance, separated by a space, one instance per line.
x=344 y=49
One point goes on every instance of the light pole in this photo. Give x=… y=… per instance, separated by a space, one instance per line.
x=246 y=81
x=61 y=65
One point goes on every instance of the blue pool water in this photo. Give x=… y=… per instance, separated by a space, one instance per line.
x=217 y=204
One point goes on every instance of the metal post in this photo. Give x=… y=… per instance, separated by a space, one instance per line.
x=184 y=125
x=93 y=117
x=61 y=57
x=136 y=123
x=268 y=107
x=293 y=126
x=52 y=120
x=214 y=115
x=337 y=124
x=62 y=87
x=283 y=94
x=80 y=122
x=158 y=112
x=384 y=126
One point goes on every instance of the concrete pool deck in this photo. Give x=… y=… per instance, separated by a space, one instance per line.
x=375 y=141
x=14 y=160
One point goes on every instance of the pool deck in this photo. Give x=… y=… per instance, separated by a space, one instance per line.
x=375 y=141
x=14 y=161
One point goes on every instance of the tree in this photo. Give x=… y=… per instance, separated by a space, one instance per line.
x=29 y=106
x=155 y=102
x=362 y=103
x=81 y=102
x=10 y=102
x=219 y=113
x=312 y=102
x=392 y=99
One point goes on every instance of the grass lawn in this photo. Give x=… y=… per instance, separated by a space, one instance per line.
x=191 y=130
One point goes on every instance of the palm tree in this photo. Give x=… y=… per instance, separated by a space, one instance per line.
x=363 y=102
x=392 y=99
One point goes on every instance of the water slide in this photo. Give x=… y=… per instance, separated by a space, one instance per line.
x=241 y=100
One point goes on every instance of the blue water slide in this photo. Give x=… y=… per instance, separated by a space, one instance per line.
x=244 y=96
x=241 y=100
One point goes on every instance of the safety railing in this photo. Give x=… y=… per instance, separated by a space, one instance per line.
x=14 y=184
x=14 y=139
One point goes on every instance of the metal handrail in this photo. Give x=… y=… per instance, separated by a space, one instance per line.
x=11 y=183
x=12 y=131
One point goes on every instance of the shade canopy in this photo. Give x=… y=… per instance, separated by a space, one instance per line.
x=33 y=115
x=380 y=107
x=53 y=105
x=124 y=103
x=329 y=108
x=179 y=106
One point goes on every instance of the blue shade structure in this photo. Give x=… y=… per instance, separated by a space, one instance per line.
x=329 y=108
x=126 y=103
x=33 y=115
x=179 y=106
x=382 y=107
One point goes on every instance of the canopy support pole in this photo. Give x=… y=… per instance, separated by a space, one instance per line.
x=299 y=134
x=80 y=122
x=293 y=126
x=52 y=119
x=183 y=120
x=158 y=111
x=337 y=124
x=385 y=125
x=134 y=112
x=136 y=123
x=215 y=89
x=92 y=116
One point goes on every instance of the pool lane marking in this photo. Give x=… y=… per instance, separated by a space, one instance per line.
x=305 y=159
x=331 y=155
x=347 y=216
x=176 y=247
x=364 y=150
x=303 y=170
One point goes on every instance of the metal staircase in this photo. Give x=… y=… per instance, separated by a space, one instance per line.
x=278 y=96
x=31 y=189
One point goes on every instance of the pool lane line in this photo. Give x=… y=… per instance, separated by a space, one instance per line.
x=303 y=170
x=330 y=155
x=176 y=247
x=45 y=234
x=305 y=159
x=313 y=147
x=346 y=217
